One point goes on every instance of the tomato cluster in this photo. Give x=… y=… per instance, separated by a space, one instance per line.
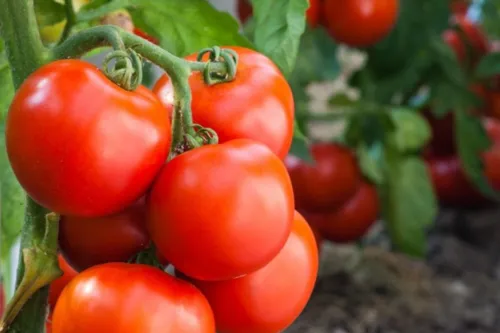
x=332 y=193
x=222 y=214
x=357 y=23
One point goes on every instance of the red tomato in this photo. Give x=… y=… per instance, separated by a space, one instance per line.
x=57 y=286
x=257 y=105
x=360 y=23
x=48 y=324
x=442 y=141
x=87 y=242
x=473 y=36
x=312 y=14
x=81 y=145
x=270 y=299
x=221 y=211
x=119 y=297
x=459 y=7
x=329 y=182
x=351 y=221
x=493 y=109
x=145 y=36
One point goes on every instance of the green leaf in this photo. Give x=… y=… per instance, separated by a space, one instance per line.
x=6 y=87
x=409 y=203
x=300 y=145
x=412 y=131
x=488 y=66
x=370 y=162
x=278 y=27
x=184 y=27
x=49 y=12
x=472 y=140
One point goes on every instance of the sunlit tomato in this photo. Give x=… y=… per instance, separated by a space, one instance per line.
x=119 y=297
x=270 y=299
x=81 y=145
x=257 y=105
x=330 y=181
x=57 y=286
x=360 y=23
x=473 y=36
x=312 y=14
x=87 y=242
x=146 y=36
x=221 y=211
x=352 y=220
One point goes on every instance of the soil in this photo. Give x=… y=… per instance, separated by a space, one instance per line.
x=456 y=289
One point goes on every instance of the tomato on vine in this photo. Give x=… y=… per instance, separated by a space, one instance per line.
x=79 y=144
x=312 y=14
x=221 y=211
x=258 y=104
x=57 y=286
x=329 y=181
x=352 y=220
x=270 y=299
x=119 y=297
x=360 y=23
x=473 y=38
x=87 y=242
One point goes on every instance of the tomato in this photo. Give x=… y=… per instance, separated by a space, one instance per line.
x=221 y=211
x=146 y=36
x=57 y=286
x=270 y=299
x=459 y=7
x=474 y=37
x=442 y=141
x=257 y=105
x=494 y=105
x=330 y=181
x=360 y=23
x=87 y=242
x=352 y=220
x=312 y=14
x=81 y=145
x=120 y=297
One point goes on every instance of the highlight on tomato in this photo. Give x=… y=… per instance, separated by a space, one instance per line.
x=120 y=297
x=106 y=154
x=258 y=104
x=270 y=299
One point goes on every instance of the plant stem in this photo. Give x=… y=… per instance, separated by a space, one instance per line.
x=26 y=53
x=70 y=19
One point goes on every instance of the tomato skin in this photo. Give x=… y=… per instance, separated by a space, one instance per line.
x=79 y=144
x=473 y=35
x=328 y=183
x=352 y=220
x=257 y=105
x=244 y=9
x=360 y=23
x=87 y=242
x=119 y=297
x=57 y=286
x=270 y=299
x=240 y=214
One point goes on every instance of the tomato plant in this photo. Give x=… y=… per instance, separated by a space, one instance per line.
x=87 y=242
x=244 y=177
x=360 y=23
x=472 y=38
x=57 y=286
x=136 y=298
x=327 y=182
x=312 y=14
x=109 y=147
x=261 y=302
x=257 y=105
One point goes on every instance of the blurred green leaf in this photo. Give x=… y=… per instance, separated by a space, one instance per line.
x=300 y=145
x=184 y=27
x=488 y=66
x=408 y=201
x=278 y=27
x=49 y=12
x=370 y=162
x=6 y=86
x=412 y=132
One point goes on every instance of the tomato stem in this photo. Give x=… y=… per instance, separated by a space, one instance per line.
x=70 y=20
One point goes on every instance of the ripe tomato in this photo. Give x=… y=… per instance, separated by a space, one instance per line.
x=81 y=145
x=494 y=105
x=474 y=36
x=221 y=211
x=257 y=105
x=329 y=182
x=270 y=299
x=312 y=14
x=57 y=286
x=119 y=297
x=360 y=23
x=352 y=220
x=87 y=242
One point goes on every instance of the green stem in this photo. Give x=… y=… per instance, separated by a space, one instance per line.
x=70 y=19
x=26 y=53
